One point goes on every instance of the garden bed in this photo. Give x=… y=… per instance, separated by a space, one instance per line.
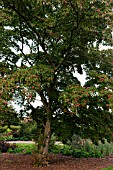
x=57 y=162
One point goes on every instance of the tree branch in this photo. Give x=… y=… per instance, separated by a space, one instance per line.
x=67 y=54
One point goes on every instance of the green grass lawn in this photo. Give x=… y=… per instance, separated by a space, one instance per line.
x=109 y=168
x=23 y=148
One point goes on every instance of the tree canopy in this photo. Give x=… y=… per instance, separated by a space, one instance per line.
x=61 y=37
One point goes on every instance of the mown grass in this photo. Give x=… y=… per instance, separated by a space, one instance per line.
x=109 y=168
x=23 y=148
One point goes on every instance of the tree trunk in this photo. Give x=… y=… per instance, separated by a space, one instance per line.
x=41 y=158
x=44 y=139
x=47 y=136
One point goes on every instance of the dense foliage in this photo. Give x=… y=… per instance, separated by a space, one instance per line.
x=61 y=37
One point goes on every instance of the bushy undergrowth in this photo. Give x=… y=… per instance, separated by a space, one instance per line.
x=28 y=130
x=86 y=150
x=4 y=133
x=4 y=146
x=105 y=148
x=23 y=148
x=78 y=153
x=24 y=131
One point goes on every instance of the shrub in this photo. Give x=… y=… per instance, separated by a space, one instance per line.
x=28 y=130
x=6 y=135
x=3 y=129
x=52 y=141
x=78 y=153
x=88 y=146
x=76 y=141
x=23 y=148
x=4 y=146
x=106 y=149
x=13 y=127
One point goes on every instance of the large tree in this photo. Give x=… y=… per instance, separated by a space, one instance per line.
x=61 y=37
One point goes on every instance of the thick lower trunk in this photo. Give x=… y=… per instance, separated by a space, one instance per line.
x=47 y=136
x=44 y=139
x=41 y=158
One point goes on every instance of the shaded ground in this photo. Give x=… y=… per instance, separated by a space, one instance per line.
x=58 y=162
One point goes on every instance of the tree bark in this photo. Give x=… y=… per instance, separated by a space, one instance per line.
x=44 y=138
x=41 y=157
x=47 y=136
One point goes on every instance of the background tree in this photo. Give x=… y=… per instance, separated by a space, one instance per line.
x=61 y=37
